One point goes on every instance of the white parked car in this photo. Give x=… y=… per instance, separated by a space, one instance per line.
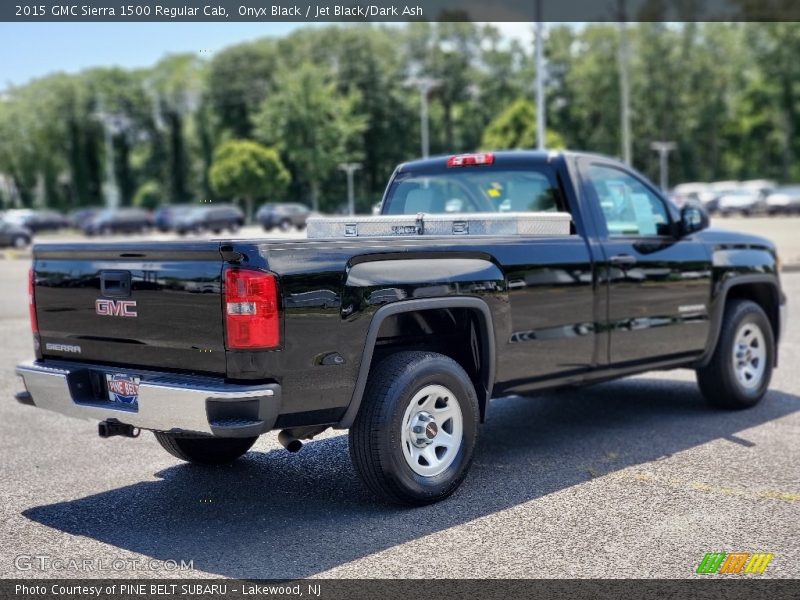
x=784 y=200
x=742 y=201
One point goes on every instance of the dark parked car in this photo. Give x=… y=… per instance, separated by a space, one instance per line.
x=37 y=220
x=284 y=216
x=214 y=218
x=166 y=217
x=78 y=218
x=121 y=220
x=14 y=235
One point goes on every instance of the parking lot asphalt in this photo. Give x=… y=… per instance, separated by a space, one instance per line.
x=634 y=478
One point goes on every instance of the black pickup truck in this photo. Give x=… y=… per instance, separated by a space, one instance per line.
x=399 y=332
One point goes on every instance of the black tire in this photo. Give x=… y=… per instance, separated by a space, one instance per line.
x=20 y=241
x=204 y=450
x=375 y=440
x=718 y=380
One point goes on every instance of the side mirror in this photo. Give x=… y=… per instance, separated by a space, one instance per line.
x=693 y=218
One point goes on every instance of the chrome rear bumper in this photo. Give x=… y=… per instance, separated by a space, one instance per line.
x=166 y=402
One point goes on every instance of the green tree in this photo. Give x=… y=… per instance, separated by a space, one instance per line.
x=176 y=86
x=247 y=170
x=313 y=125
x=447 y=53
x=515 y=128
x=239 y=78
x=775 y=48
x=149 y=195
x=366 y=59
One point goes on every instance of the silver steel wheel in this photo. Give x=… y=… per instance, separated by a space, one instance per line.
x=433 y=429
x=749 y=355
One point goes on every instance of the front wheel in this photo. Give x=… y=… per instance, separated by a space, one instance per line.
x=413 y=439
x=740 y=369
x=205 y=450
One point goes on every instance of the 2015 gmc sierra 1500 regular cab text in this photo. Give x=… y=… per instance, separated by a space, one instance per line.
x=484 y=275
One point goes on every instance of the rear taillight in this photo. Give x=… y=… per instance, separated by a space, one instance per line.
x=251 y=310
x=31 y=305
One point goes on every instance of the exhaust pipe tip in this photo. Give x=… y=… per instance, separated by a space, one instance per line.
x=288 y=441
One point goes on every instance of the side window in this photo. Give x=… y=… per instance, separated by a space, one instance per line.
x=629 y=208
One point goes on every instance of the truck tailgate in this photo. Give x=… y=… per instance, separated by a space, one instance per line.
x=140 y=304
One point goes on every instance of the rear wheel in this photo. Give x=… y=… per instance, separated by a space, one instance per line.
x=20 y=241
x=740 y=369
x=204 y=450
x=413 y=439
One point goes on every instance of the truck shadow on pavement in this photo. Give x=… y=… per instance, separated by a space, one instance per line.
x=276 y=515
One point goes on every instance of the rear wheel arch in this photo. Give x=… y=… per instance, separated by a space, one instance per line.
x=483 y=379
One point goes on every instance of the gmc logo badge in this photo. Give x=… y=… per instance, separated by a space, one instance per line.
x=115 y=308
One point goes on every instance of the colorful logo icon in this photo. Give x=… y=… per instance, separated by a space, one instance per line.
x=734 y=562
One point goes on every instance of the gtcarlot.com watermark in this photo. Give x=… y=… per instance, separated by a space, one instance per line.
x=44 y=562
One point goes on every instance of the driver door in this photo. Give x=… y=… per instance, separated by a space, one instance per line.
x=659 y=283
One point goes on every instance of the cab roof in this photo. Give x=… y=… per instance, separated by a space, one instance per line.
x=501 y=158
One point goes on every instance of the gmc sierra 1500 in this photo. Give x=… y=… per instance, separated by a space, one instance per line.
x=484 y=275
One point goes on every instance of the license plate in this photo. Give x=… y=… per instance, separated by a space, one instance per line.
x=122 y=388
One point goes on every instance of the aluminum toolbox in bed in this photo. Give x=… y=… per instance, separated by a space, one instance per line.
x=529 y=223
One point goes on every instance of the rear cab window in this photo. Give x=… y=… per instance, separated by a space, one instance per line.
x=530 y=188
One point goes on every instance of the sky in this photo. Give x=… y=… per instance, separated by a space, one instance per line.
x=31 y=50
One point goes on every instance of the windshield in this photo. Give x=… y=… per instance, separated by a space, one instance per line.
x=478 y=190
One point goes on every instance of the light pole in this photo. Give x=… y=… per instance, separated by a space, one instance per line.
x=663 y=149
x=112 y=124
x=539 y=77
x=424 y=85
x=624 y=88
x=350 y=168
